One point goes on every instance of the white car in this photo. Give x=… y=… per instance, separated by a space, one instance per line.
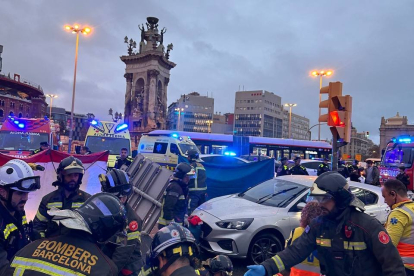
x=256 y=223
x=311 y=166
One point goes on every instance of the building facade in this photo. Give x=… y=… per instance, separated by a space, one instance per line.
x=223 y=123
x=191 y=112
x=359 y=146
x=258 y=113
x=394 y=127
x=299 y=126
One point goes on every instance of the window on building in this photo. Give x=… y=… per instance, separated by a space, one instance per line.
x=1 y=113
x=20 y=115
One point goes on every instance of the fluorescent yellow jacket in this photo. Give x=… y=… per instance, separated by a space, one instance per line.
x=400 y=227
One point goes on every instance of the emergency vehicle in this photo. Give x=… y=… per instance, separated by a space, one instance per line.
x=20 y=136
x=110 y=136
x=165 y=149
x=398 y=152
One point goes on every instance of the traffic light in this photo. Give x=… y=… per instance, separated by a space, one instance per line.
x=334 y=89
x=367 y=134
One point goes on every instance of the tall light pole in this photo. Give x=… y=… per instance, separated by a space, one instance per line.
x=290 y=117
x=51 y=96
x=75 y=29
x=179 y=116
x=323 y=73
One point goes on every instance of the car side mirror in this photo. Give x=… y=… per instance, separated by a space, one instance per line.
x=301 y=205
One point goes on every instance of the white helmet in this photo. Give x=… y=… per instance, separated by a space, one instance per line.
x=18 y=175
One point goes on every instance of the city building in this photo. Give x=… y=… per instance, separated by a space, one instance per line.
x=359 y=146
x=21 y=98
x=258 y=113
x=299 y=126
x=393 y=127
x=223 y=124
x=191 y=112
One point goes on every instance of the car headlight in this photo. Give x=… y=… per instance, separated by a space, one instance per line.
x=238 y=224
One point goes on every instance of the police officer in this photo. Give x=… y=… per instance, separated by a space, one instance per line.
x=349 y=242
x=127 y=258
x=400 y=222
x=197 y=187
x=403 y=177
x=324 y=167
x=67 y=196
x=298 y=169
x=123 y=161
x=283 y=168
x=16 y=181
x=43 y=146
x=174 y=205
x=172 y=252
x=352 y=167
x=77 y=251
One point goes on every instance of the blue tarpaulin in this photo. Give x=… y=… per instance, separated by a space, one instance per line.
x=230 y=179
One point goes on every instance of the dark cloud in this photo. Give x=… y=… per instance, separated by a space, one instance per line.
x=221 y=45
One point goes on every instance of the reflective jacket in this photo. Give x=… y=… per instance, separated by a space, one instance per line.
x=198 y=183
x=282 y=170
x=400 y=227
x=73 y=254
x=42 y=222
x=352 y=243
x=323 y=168
x=174 y=203
x=36 y=151
x=310 y=266
x=298 y=170
x=13 y=236
x=119 y=162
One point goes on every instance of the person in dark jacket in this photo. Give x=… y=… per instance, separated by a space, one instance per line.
x=403 y=177
x=76 y=252
x=197 y=187
x=172 y=252
x=372 y=174
x=67 y=196
x=283 y=169
x=85 y=150
x=298 y=169
x=16 y=181
x=348 y=241
x=127 y=258
x=174 y=203
x=123 y=161
x=324 y=167
x=43 y=146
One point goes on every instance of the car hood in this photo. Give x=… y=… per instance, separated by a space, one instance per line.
x=232 y=206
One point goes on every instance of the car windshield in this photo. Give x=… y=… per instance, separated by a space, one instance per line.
x=274 y=192
x=12 y=140
x=397 y=155
x=184 y=147
x=114 y=145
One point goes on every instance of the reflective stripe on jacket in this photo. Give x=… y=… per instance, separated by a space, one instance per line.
x=198 y=183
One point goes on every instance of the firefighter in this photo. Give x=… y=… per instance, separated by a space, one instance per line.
x=43 y=146
x=67 y=196
x=298 y=169
x=324 y=167
x=283 y=168
x=76 y=252
x=348 y=241
x=123 y=161
x=127 y=258
x=400 y=222
x=220 y=265
x=174 y=205
x=403 y=177
x=16 y=181
x=197 y=187
x=172 y=252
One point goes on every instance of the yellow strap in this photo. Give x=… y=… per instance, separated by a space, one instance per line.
x=41 y=217
x=134 y=235
x=43 y=267
x=279 y=263
x=355 y=245
x=323 y=242
x=54 y=204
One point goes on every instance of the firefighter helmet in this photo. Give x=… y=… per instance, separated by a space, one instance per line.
x=70 y=165
x=18 y=175
x=221 y=263
x=193 y=154
x=182 y=170
x=116 y=182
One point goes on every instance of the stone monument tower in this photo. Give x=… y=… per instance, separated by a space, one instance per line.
x=147 y=75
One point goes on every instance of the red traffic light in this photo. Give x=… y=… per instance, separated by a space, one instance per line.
x=337 y=119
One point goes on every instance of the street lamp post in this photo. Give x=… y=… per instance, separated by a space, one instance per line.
x=290 y=117
x=179 y=116
x=51 y=96
x=321 y=74
x=76 y=30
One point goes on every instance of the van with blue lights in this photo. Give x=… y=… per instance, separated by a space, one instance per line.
x=20 y=136
x=398 y=152
x=112 y=136
x=165 y=149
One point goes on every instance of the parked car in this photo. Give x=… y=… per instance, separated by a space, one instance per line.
x=312 y=165
x=222 y=159
x=256 y=223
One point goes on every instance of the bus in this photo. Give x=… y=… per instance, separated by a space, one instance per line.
x=211 y=143
x=20 y=136
x=110 y=136
x=398 y=152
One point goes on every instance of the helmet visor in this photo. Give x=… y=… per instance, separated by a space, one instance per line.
x=319 y=198
x=28 y=184
x=121 y=190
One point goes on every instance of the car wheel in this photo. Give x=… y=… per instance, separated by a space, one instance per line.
x=263 y=247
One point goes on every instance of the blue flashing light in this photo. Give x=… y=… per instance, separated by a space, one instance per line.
x=20 y=125
x=189 y=138
x=404 y=140
x=229 y=153
x=175 y=135
x=94 y=122
x=16 y=122
x=11 y=118
x=121 y=127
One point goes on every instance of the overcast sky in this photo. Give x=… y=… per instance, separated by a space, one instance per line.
x=220 y=45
